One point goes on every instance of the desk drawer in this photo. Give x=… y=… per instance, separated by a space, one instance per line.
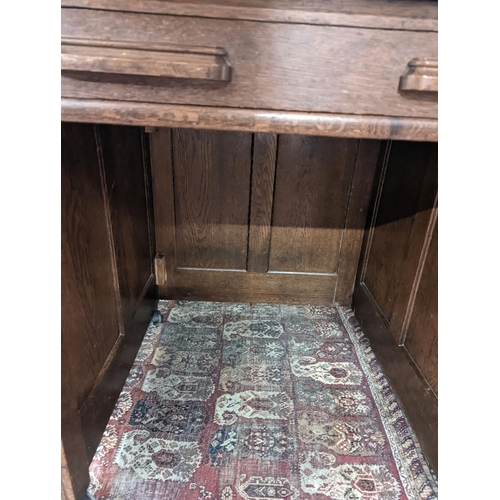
x=246 y=64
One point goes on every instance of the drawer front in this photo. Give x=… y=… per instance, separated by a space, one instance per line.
x=274 y=66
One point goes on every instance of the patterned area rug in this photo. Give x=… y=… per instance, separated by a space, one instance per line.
x=234 y=401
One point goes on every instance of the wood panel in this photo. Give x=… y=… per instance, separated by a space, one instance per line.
x=312 y=186
x=255 y=287
x=90 y=321
x=330 y=69
x=359 y=201
x=242 y=217
x=129 y=201
x=127 y=183
x=89 y=304
x=212 y=189
x=408 y=191
x=396 y=291
x=108 y=291
x=248 y=120
x=263 y=175
x=419 y=403
x=369 y=13
x=422 y=336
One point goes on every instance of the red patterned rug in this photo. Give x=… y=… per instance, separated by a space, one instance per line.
x=240 y=402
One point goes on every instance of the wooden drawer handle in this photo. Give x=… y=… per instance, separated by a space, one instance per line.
x=421 y=75
x=145 y=59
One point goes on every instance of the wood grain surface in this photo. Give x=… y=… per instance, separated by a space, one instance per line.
x=248 y=120
x=313 y=178
x=422 y=335
x=262 y=195
x=407 y=15
x=212 y=190
x=330 y=69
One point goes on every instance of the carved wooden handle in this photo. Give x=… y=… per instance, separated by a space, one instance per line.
x=145 y=59
x=421 y=75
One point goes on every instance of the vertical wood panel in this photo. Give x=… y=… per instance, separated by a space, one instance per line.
x=212 y=189
x=125 y=182
x=123 y=161
x=422 y=336
x=312 y=186
x=263 y=175
x=406 y=203
x=160 y=142
x=396 y=293
x=359 y=199
x=89 y=308
x=90 y=321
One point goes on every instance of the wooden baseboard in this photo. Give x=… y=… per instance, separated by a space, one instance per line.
x=418 y=400
x=242 y=286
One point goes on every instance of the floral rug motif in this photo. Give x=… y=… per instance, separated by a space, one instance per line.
x=257 y=402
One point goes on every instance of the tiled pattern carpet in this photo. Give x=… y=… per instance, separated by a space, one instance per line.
x=233 y=401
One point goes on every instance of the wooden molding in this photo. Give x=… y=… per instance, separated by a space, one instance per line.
x=419 y=402
x=248 y=120
x=421 y=76
x=356 y=13
x=359 y=199
x=144 y=59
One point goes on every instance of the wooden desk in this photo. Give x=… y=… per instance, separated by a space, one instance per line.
x=315 y=67
x=285 y=112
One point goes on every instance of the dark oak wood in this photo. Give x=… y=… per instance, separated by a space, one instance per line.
x=90 y=322
x=223 y=216
x=408 y=190
x=74 y=465
x=419 y=402
x=422 y=335
x=421 y=75
x=211 y=192
x=262 y=194
x=126 y=181
x=164 y=205
x=248 y=120
x=108 y=290
x=129 y=58
x=359 y=199
x=99 y=405
x=408 y=15
x=396 y=291
x=254 y=287
x=313 y=178
x=330 y=69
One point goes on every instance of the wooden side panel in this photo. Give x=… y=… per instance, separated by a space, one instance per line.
x=359 y=200
x=90 y=322
x=89 y=315
x=407 y=196
x=312 y=186
x=396 y=292
x=108 y=291
x=127 y=184
x=212 y=189
x=127 y=187
x=422 y=336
